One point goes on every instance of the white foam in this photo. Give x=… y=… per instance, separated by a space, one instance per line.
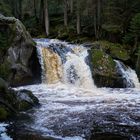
x=82 y=70
x=3 y=135
x=65 y=106
x=128 y=74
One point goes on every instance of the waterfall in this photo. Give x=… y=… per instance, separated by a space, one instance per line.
x=65 y=63
x=129 y=75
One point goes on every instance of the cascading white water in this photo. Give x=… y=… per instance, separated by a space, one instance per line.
x=77 y=72
x=65 y=62
x=39 y=53
x=128 y=74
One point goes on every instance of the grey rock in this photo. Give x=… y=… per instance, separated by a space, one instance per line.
x=20 y=59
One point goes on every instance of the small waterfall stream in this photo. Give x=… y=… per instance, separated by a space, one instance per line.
x=129 y=75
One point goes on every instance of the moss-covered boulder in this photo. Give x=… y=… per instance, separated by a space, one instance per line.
x=19 y=62
x=115 y=50
x=104 y=69
x=11 y=101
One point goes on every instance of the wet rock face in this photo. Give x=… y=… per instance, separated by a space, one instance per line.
x=17 y=53
x=104 y=69
x=11 y=101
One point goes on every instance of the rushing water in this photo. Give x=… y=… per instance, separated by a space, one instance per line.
x=71 y=113
x=66 y=63
x=129 y=75
x=72 y=107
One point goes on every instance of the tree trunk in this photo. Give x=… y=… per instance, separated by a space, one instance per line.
x=20 y=9
x=46 y=18
x=138 y=65
x=35 y=11
x=98 y=13
x=42 y=13
x=15 y=8
x=65 y=13
x=135 y=44
x=95 y=25
x=71 y=6
x=78 y=18
x=98 y=18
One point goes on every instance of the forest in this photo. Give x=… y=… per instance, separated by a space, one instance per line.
x=69 y=69
x=116 y=21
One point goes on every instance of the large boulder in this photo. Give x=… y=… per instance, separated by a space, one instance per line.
x=11 y=101
x=115 y=50
x=19 y=62
x=104 y=70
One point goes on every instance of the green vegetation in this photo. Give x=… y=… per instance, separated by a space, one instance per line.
x=5 y=8
x=133 y=35
x=102 y=62
x=116 y=50
x=4 y=70
x=3 y=113
x=108 y=20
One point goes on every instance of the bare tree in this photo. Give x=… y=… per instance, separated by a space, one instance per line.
x=98 y=17
x=65 y=13
x=46 y=18
x=42 y=13
x=78 y=17
x=71 y=6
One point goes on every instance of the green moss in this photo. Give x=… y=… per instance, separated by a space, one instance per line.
x=7 y=35
x=5 y=70
x=63 y=33
x=115 y=50
x=102 y=63
x=4 y=43
x=3 y=113
x=96 y=56
x=23 y=105
x=112 y=28
x=12 y=34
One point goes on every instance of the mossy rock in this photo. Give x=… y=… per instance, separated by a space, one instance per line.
x=115 y=50
x=12 y=101
x=103 y=63
x=3 y=113
x=23 y=105
x=104 y=69
x=5 y=70
x=17 y=59
x=25 y=100
x=7 y=33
